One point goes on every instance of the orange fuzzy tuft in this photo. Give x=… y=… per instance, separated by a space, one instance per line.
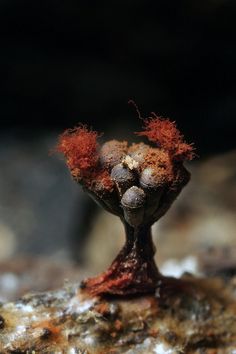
x=103 y=177
x=165 y=134
x=79 y=146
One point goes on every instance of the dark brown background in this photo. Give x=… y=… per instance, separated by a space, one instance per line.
x=68 y=61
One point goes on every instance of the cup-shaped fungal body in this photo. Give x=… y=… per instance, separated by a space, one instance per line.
x=138 y=183
x=133 y=204
x=108 y=200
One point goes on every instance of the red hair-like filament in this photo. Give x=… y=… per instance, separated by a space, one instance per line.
x=80 y=147
x=165 y=134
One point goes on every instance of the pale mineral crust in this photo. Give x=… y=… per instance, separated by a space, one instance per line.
x=187 y=315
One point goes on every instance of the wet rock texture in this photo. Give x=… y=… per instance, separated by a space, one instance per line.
x=186 y=315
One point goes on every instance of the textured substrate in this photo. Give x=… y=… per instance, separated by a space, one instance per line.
x=187 y=315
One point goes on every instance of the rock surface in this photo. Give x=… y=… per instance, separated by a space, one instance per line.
x=187 y=315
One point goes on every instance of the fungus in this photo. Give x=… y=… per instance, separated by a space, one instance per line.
x=137 y=183
x=165 y=134
x=80 y=148
x=79 y=145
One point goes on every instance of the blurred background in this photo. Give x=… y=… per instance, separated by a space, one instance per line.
x=64 y=62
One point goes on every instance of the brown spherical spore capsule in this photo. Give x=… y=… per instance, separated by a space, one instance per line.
x=157 y=170
x=138 y=152
x=133 y=203
x=123 y=177
x=153 y=183
x=152 y=179
x=112 y=153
